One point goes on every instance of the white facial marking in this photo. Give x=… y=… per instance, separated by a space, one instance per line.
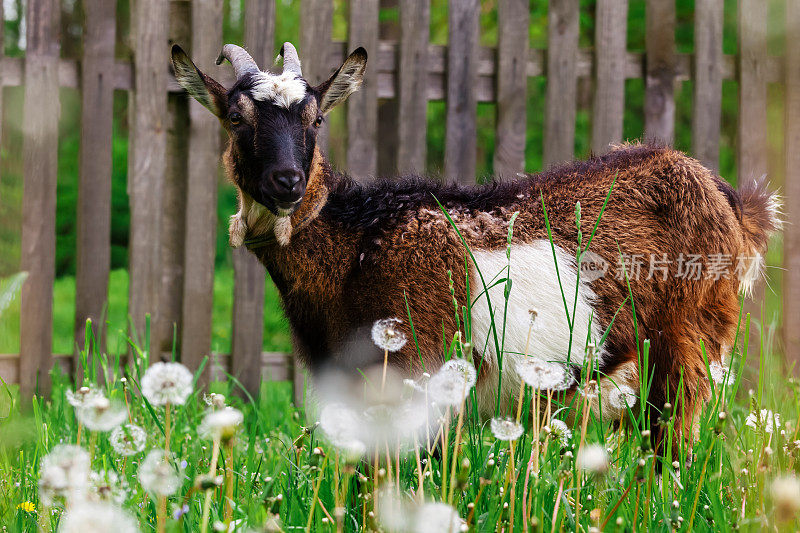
x=282 y=90
x=534 y=286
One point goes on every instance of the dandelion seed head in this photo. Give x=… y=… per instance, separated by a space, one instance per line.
x=128 y=439
x=717 y=372
x=436 y=517
x=64 y=472
x=561 y=431
x=593 y=458
x=106 y=486
x=165 y=383
x=452 y=383
x=765 y=420
x=386 y=334
x=221 y=424
x=101 y=414
x=543 y=375
x=82 y=396
x=621 y=397
x=786 y=496
x=590 y=391
x=214 y=400
x=89 y=517
x=506 y=429
x=158 y=475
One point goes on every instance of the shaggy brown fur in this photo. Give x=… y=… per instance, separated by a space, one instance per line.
x=358 y=253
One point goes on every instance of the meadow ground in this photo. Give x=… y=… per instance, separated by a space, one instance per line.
x=276 y=469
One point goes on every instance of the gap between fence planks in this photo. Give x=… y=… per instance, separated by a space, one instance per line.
x=40 y=166
x=362 y=106
x=93 y=228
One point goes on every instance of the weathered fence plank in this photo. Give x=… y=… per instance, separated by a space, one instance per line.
x=93 y=257
x=462 y=77
x=707 y=99
x=316 y=25
x=412 y=85
x=201 y=194
x=562 y=80
x=147 y=156
x=791 y=234
x=659 y=105
x=362 y=106
x=751 y=145
x=513 y=17
x=167 y=324
x=609 y=95
x=40 y=166
x=249 y=276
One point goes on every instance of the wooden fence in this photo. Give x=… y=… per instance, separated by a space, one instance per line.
x=175 y=144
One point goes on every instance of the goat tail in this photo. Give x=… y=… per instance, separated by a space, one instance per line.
x=761 y=217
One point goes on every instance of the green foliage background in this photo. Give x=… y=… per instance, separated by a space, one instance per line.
x=287 y=28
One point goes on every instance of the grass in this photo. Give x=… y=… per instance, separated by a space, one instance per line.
x=281 y=470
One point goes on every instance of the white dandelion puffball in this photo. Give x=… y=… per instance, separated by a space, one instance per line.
x=765 y=419
x=105 y=485
x=590 y=391
x=593 y=458
x=786 y=496
x=165 y=383
x=622 y=397
x=64 y=472
x=506 y=429
x=561 y=431
x=386 y=334
x=452 y=383
x=717 y=372
x=221 y=425
x=158 y=474
x=101 y=414
x=343 y=427
x=82 y=396
x=128 y=440
x=543 y=375
x=96 y=518
x=437 y=517
x=214 y=400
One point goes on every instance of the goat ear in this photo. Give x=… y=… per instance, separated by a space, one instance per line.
x=202 y=88
x=344 y=82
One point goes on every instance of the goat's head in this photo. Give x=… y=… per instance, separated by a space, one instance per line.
x=272 y=119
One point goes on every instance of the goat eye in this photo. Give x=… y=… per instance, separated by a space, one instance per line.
x=235 y=118
x=318 y=122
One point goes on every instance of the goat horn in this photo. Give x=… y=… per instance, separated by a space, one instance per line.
x=239 y=58
x=291 y=61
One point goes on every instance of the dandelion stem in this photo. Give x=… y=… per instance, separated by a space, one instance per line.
x=162 y=514
x=211 y=471
x=700 y=483
x=228 y=483
x=80 y=432
x=558 y=504
x=316 y=494
x=166 y=426
x=455 y=452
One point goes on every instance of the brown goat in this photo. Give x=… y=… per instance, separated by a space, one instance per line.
x=345 y=254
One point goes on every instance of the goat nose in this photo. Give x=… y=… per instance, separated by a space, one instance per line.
x=287 y=181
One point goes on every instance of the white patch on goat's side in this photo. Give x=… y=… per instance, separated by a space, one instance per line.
x=534 y=286
x=282 y=90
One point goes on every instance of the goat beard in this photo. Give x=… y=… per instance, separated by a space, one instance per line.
x=283 y=230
